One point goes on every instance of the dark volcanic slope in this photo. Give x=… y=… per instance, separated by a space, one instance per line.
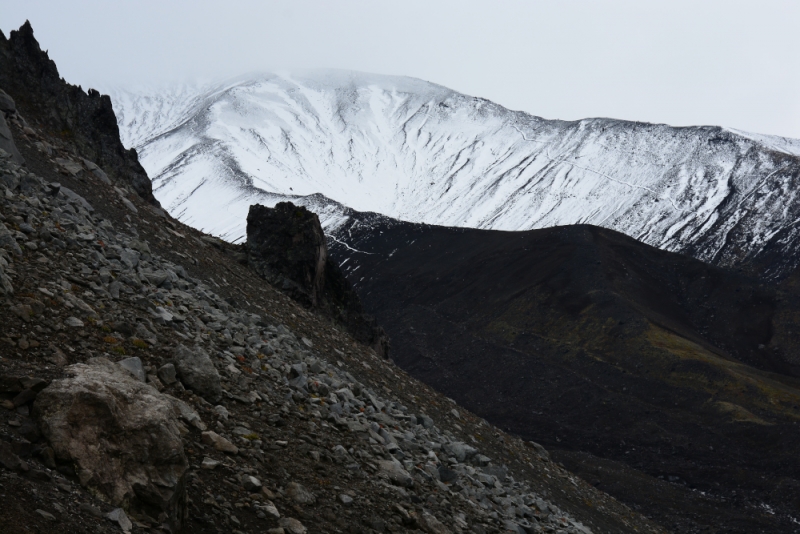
x=680 y=374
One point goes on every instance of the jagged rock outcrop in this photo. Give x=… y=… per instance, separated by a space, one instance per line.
x=121 y=435
x=84 y=119
x=286 y=246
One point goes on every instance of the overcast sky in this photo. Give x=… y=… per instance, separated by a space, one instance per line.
x=728 y=62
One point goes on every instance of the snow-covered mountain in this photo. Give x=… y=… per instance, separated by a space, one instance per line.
x=420 y=152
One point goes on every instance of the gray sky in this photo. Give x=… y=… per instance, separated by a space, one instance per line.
x=730 y=63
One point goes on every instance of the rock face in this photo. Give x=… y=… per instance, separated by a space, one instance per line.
x=286 y=246
x=31 y=79
x=121 y=435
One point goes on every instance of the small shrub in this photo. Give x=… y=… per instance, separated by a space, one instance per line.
x=110 y=339
x=119 y=350
x=251 y=436
x=139 y=344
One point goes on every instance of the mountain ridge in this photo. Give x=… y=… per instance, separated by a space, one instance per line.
x=420 y=152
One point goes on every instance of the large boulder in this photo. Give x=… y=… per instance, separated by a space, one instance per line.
x=286 y=246
x=121 y=436
x=197 y=372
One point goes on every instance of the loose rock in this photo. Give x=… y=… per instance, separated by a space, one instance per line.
x=74 y=322
x=197 y=372
x=395 y=472
x=251 y=483
x=46 y=515
x=209 y=463
x=300 y=494
x=167 y=374
x=292 y=526
x=118 y=516
x=219 y=443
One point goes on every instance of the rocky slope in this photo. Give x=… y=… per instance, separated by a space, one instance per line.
x=420 y=152
x=672 y=384
x=151 y=383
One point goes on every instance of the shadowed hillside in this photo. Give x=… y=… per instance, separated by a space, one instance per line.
x=681 y=374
